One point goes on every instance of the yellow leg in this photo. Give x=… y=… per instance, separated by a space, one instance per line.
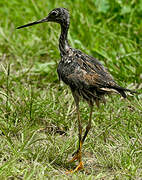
x=88 y=127
x=77 y=156
x=79 y=167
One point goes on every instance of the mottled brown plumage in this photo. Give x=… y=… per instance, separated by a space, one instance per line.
x=86 y=76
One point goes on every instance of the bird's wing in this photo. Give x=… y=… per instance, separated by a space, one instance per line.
x=90 y=73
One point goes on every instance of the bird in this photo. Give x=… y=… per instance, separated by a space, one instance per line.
x=87 y=78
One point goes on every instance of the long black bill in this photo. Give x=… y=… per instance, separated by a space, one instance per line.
x=33 y=23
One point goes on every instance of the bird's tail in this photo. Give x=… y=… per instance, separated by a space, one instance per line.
x=122 y=91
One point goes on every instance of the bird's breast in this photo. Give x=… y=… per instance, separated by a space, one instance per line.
x=65 y=68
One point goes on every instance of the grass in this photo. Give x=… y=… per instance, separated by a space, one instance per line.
x=38 y=125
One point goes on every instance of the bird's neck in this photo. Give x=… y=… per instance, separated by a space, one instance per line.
x=63 y=41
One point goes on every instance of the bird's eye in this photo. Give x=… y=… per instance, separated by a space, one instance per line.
x=54 y=13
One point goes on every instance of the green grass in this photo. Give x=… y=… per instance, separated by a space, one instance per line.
x=38 y=124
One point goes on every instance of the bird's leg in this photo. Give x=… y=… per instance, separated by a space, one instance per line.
x=77 y=154
x=88 y=127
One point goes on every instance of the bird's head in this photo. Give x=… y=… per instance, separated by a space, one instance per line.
x=58 y=15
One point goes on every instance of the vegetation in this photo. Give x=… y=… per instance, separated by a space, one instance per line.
x=38 y=126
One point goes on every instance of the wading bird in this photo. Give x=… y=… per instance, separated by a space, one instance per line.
x=86 y=76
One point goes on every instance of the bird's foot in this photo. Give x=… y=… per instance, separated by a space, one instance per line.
x=79 y=167
x=76 y=156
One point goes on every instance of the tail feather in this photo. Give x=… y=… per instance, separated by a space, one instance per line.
x=122 y=90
